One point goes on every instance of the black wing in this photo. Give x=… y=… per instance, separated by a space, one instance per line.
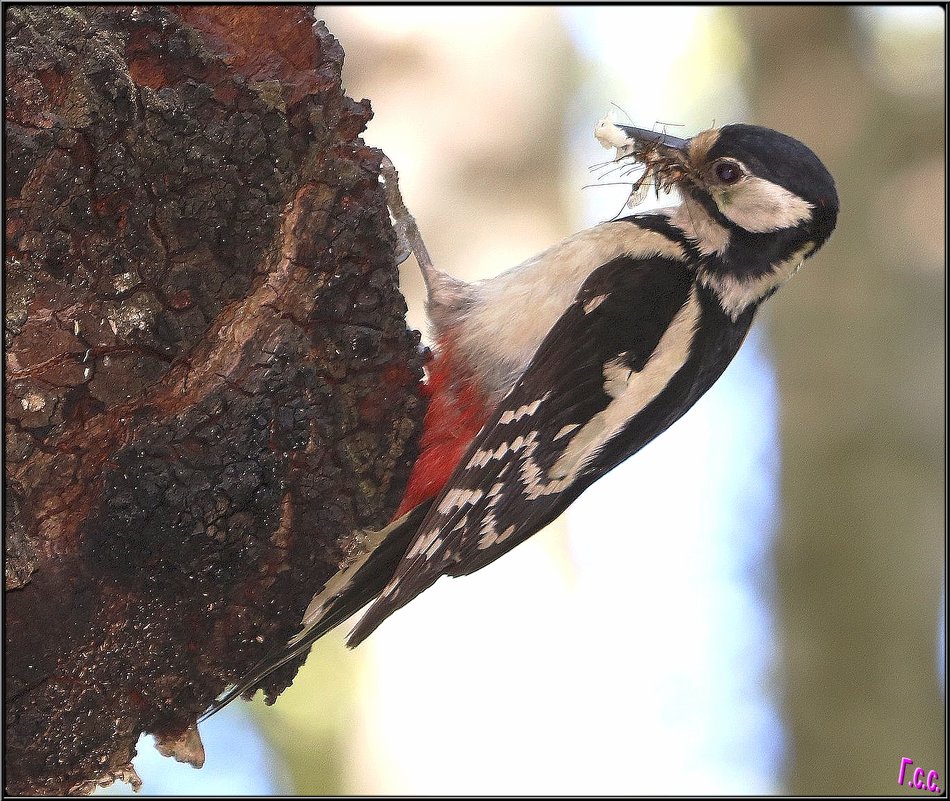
x=513 y=480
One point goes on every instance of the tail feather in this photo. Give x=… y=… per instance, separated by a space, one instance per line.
x=382 y=608
x=344 y=595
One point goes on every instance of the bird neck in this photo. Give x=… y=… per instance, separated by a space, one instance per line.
x=742 y=268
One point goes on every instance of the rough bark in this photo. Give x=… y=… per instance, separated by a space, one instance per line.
x=209 y=380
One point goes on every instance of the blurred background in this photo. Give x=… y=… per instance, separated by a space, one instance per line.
x=755 y=602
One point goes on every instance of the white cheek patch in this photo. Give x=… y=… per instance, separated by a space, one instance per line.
x=760 y=206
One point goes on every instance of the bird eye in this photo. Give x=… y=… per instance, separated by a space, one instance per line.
x=728 y=172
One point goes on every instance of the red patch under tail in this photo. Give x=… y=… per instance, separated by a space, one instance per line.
x=456 y=413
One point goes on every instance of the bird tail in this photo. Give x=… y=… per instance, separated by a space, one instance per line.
x=345 y=594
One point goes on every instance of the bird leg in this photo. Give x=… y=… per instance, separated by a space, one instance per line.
x=409 y=238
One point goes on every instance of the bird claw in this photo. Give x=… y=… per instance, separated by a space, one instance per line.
x=403 y=248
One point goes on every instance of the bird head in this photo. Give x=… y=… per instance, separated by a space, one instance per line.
x=746 y=177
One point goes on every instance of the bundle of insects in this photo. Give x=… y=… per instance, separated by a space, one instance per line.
x=641 y=149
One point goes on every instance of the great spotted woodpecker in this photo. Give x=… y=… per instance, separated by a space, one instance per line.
x=549 y=375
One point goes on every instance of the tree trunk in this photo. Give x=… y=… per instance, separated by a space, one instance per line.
x=210 y=383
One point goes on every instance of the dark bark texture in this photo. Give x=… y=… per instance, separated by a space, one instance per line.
x=209 y=380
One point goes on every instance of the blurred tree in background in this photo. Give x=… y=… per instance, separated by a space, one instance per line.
x=859 y=349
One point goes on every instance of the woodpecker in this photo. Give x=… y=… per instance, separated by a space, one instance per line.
x=551 y=374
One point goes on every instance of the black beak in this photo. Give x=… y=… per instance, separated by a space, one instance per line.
x=654 y=137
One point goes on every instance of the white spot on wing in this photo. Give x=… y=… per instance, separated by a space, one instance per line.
x=457 y=498
x=593 y=303
x=510 y=416
x=433 y=547
x=421 y=543
x=482 y=457
x=490 y=535
x=566 y=430
x=489 y=531
x=479 y=459
x=616 y=376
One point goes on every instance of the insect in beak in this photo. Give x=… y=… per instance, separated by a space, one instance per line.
x=662 y=156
